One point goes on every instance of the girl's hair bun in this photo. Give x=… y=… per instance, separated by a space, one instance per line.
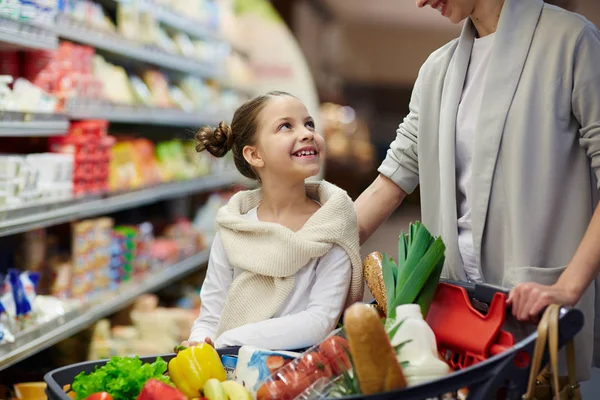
x=217 y=141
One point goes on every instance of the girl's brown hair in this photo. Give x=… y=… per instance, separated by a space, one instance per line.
x=242 y=132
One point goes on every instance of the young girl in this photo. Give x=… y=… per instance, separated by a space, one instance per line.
x=285 y=261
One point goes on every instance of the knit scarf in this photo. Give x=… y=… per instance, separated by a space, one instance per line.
x=270 y=254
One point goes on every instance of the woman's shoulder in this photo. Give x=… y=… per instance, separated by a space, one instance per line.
x=439 y=59
x=563 y=23
x=557 y=15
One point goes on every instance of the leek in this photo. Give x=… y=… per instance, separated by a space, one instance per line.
x=415 y=277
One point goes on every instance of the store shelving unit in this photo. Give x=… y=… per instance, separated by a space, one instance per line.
x=19 y=124
x=49 y=214
x=33 y=341
x=131 y=54
x=17 y=34
x=180 y=22
x=145 y=115
x=117 y=45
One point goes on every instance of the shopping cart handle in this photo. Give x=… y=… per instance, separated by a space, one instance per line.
x=482 y=292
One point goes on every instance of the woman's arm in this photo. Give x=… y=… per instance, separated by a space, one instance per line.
x=529 y=299
x=376 y=204
x=306 y=328
x=399 y=173
x=219 y=277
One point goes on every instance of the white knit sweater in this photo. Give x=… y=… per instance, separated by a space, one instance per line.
x=270 y=254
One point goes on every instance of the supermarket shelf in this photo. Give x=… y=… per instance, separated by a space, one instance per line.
x=25 y=219
x=114 y=44
x=181 y=22
x=15 y=124
x=17 y=34
x=145 y=115
x=33 y=341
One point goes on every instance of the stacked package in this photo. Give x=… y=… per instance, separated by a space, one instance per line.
x=91 y=257
x=28 y=179
x=90 y=146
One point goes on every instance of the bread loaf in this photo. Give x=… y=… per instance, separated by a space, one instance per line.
x=375 y=362
x=374 y=278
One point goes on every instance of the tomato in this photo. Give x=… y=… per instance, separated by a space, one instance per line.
x=335 y=349
x=295 y=383
x=100 y=396
x=272 y=390
x=314 y=366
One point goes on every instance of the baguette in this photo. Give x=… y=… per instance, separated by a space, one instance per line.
x=374 y=277
x=375 y=362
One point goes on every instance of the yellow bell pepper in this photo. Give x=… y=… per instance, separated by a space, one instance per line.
x=192 y=367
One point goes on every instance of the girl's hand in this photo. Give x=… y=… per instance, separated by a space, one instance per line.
x=528 y=300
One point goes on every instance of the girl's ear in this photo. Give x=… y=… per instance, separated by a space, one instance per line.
x=253 y=157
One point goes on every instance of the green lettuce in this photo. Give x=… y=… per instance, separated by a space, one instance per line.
x=122 y=377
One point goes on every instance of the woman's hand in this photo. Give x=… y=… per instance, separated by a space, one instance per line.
x=528 y=300
x=207 y=340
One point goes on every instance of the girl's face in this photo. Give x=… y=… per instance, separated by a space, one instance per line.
x=288 y=146
x=454 y=10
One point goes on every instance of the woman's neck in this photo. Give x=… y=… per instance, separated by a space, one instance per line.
x=486 y=15
x=281 y=198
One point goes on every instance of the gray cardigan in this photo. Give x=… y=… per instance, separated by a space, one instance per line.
x=536 y=158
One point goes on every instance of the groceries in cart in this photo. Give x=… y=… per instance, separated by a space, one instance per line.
x=406 y=339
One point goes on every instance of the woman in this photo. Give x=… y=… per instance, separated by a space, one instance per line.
x=503 y=137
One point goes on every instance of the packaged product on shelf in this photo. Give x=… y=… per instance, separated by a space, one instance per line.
x=165 y=252
x=143 y=257
x=145 y=162
x=34 y=177
x=184 y=45
x=117 y=259
x=90 y=146
x=11 y=9
x=6 y=335
x=61 y=268
x=24 y=293
x=91 y=254
x=87 y=13
x=196 y=90
x=102 y=254
x=8 y=305
x=159 y=88
x=82 y=253
x=128 y=20
x=189 y=240
x=164 y=42
x=180 y=99
x=172 y=159
x=141 y=91
x=202 y=161
x=125 y=237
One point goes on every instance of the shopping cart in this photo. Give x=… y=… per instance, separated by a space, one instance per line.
x=502 y=373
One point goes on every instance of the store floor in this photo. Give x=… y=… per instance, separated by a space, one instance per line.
x=386 y=240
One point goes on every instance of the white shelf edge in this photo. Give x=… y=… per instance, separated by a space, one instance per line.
x=40 y=338
x=122 y=47
x=55 y=214
x=148 y=116
x=16 y=33
x=56 y=127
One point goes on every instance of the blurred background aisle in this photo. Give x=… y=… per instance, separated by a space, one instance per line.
x=106 y=210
